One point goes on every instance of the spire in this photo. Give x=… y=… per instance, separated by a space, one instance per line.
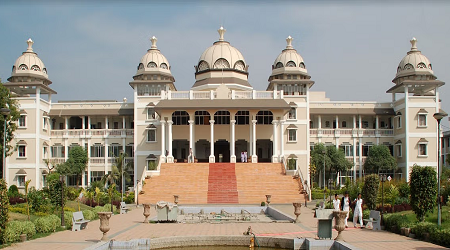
x=413 y=44
x=153 y=40
x=289 y=42
x=221 y=31
x=30 y=45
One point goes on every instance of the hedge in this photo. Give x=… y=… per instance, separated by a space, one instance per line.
x=89 y=215
x=15 y=228
x=47 y=224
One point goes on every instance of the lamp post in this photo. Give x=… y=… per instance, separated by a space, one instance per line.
x=383 y=179
x=5 y=112
x=121 y=172
x=137 y=193
x=438 y=117
x=324 y=152
x=61 y=179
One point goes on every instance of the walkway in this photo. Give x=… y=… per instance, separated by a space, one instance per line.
x=130 y=226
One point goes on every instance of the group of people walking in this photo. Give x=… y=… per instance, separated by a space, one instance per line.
x=344 y=205
x=244 y=156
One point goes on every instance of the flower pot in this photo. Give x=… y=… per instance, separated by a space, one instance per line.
x=339 y=217
x=104 y=223
x=23 y=237
x=146 y=212
x=407 y=231
x=297 y=210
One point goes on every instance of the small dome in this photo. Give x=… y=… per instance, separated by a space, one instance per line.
x=153 y=60
x=221 y=55
x=414 y=62
x=289 y=58
x=29 y=63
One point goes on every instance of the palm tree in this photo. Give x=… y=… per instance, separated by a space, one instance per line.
x=89 y=195
x=111 y=177
x=123 y=168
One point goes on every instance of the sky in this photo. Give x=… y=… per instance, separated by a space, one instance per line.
x=351 y=49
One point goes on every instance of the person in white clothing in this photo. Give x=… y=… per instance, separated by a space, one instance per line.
x=357 y=213
x=345 y=206
x=336 y=203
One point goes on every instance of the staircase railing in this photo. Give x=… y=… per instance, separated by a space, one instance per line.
x=298 y=173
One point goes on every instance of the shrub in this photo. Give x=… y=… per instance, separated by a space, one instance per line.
x=20 y=210
x=13 y=191
x=54 y=190
x=16 y=200
x=129 y=199
x=441 y=237
x=72 y=193
x=403 y=189
x=423 y=188
x=15 y=228
x=393 y=222
x=370 y=190
x=107 y=208
x=47 y=224
x=263 y=204
x=89 y=215
x=37 y=199
x=68 y=219
x=41 y=214
x=101 y=209
x=69 y=209
x=423 y=227
x=4 y=205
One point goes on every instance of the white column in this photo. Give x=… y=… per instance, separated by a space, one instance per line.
x=359 y=122
x=377 y=122
x=83 y=125
x=254 y=156
x=282 y=139
x=319 y=129
x=89 y=122
x=106 y=122
x=107 y=164
x=66 y=123
x=233 y=142
x=250 y=144
x=354 y=121
x=405 y=123
x=360 y=158
x=38 y=144
x=354 y=159
x=163 y=140
x=89 y=162
x=124 y=124
x=319 y=117
x=337 y=121
x=191 y=134
x=337 y=137
x=170 y=156
x=275 y=142
x=212 y=158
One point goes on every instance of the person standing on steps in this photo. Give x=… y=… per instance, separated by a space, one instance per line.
x=357 y=213
x=345 y=206
x=242 y=156
x=191 y=156
x=245 y=156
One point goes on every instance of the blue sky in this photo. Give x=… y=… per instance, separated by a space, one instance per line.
x=351 y=49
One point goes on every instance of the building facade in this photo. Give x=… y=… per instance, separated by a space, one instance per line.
x=220 y=117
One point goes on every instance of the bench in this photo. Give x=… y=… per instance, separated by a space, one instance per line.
x=78 y=221
x=123 y=208
x=374 y=220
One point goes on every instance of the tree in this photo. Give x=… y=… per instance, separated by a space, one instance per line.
x=75 y=164
x=4 y=206
x=119 y=161
x=379 y=158
x=111 y=177
x=370 y=190
x=6 y=101
x=423 y=188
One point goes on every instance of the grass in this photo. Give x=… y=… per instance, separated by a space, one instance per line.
x=431 y=217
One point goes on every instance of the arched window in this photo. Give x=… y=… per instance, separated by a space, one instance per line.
x=239 y=65
x=279 y=65
x=222 y=117
x=421 y=65
x=23 y=67
x=264 y=117
x=290 y=64
x=408 y=66
x=180 y=118
x=242 y=118
x=203 y=66
x=44 y=70
x=302 y=65
x=202 y=117
x=140 y=66
x=429 y=66
x=344 y=124
x=163 y=66
x=221 y=63
x=152 y=65
x=35 y=68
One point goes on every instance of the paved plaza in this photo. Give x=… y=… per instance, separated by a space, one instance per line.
x=129 y=226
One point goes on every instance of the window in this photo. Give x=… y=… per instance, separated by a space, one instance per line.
x=422 y=120
x=22 y=121
x=292 y=135
x=293 y=113
x=22 y=151
x=399 y=121
x=242 y=118
x=97 y=150
x=180 y=118
x=45 y=152
x=21 y=180
x=44 y=123
x=365 y=124
x=97 y=175
x=116 y=125
x=344 y=124
x=58 y=151
x=61 y=125
x=348 y=149
x=151 y=135
x=366 y=149
x=264 y=117
x=114 y=150
x=151 y=164
x=423 y=147
x=398 y=149
x=202 y=117
x=44 y=180
x=327 y=124
x=222 y=117
x=151 y=114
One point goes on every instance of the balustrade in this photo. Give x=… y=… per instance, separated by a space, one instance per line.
x=97 y=160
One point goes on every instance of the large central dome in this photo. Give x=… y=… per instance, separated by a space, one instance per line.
x=221 y=55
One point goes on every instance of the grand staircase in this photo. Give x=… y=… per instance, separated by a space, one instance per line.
x=222 y=183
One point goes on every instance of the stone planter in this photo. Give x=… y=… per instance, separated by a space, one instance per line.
x=268 y=197
x=175 y=199
x=146 y=212
x=297 y=211
x=402 y=231
x=339 y=217
x=23 y=237
x=407 y=231
x=104 y=223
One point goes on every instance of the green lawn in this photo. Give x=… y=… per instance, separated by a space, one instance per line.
x=431 y=217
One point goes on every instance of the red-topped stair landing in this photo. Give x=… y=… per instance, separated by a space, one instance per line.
x=222 y=184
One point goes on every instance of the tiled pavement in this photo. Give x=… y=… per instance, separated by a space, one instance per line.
x=130 y=226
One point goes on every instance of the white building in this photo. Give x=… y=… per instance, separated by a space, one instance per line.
x=220 y=116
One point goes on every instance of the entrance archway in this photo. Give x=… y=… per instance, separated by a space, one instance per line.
x=222 y=147
x=264 y=150
x=202 y=150
x=241 y=145
x=180 y=150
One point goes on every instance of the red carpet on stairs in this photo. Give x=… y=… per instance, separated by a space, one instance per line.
x=222 y=184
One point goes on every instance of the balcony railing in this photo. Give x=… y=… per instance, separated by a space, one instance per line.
x=97 y=160
x=92 y=132
x=362 y=132
x=252 y=94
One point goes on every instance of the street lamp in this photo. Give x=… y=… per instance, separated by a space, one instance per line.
x=121 y=172
x=61 y=179
x=383 y=180
x=5 y=112
x=438 y=117
x=324 y=152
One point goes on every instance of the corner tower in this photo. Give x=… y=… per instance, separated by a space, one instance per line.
x=221 y=64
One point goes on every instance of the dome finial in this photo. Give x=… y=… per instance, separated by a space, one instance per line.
x=289 y=42
x=153 y=40
x=221 y=31
x=413 y=44
x=30 y=45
